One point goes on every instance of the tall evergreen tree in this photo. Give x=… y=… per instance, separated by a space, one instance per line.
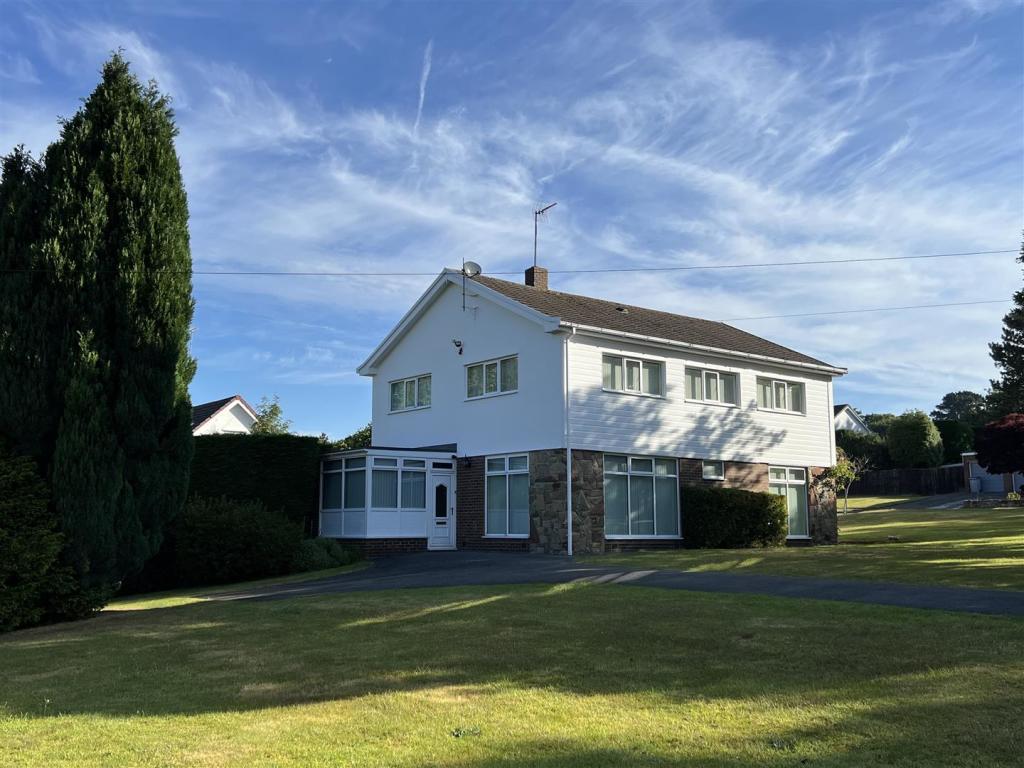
x=1007 y=394
x=113 y=251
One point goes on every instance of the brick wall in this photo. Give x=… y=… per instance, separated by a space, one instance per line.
x=371 y=548
x=738 y=474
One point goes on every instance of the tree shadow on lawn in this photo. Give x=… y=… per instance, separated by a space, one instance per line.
x=578 y=638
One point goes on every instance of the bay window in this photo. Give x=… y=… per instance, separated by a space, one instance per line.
x=641 y=497
x=625 y=374
x=492 y=377
x=777 y=395
x=712 y=386
x=507 y=496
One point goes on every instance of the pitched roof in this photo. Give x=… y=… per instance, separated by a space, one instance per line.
x=626 y=318
x=839 y=407
x=205 y=411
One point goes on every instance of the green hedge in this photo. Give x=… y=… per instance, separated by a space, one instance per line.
x=728 y=518
x=281 y=471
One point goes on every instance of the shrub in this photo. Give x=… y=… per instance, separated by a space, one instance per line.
x=318 y=554
x=222 y=540
x=29 y=543
x=914 y=441
x=728 y=518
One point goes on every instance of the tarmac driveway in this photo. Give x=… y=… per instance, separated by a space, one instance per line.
x=464 y=568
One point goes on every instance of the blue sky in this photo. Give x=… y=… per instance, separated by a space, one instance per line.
x=407 y=137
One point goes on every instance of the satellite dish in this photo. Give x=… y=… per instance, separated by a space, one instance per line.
x=471 y=269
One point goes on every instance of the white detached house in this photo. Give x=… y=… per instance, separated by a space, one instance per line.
x=487 y=390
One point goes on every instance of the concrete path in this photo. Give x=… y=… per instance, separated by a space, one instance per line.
x=451 y=569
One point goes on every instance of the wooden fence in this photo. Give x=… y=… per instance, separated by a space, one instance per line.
x=896 y=482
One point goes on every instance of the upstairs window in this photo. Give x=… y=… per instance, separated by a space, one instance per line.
x=712 y=386
x=492 y=377
x=776 y=395
x=407 y=394
x=626 y=374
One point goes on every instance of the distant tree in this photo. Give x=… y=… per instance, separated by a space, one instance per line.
x=1007 y=395
x=965 y=406
x=1000 y=444
x=957 y=438
x=879 y=423
x=361 y=438
x=914 y=441
x=869 y=448
x=838 y=479
x=270 y=418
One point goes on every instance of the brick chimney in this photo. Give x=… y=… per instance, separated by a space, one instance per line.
x=537 y=277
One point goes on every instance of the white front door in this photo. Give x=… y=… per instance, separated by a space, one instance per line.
x=441 y=523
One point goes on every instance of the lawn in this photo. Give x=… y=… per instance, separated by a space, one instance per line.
x=957 y=547
x=864 y=503
x=582 y=675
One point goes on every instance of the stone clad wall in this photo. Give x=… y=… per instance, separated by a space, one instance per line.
x=821 y=512
x=547 y=501
x=588 y=502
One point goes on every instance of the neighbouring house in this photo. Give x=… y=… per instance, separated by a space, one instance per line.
x=231 y=415
x=846 y=418
x=977 y=479
x=487 y=390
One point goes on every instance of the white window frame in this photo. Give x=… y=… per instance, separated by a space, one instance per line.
x=716 y=475
x=775 y=383
x=483 y=364
x=654 y=491
x=639 y=360
x=506 y=473
x=717 y=373
x=404 y=382
x=400 y=467
x=798 y=484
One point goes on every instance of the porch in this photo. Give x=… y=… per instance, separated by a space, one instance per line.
x=374 y=497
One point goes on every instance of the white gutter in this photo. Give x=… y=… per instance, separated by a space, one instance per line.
x=568 y=448
x=654 y=340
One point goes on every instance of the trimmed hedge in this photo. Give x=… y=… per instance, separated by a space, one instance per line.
x=728 y=518
x=280 y=471
x=223 y=540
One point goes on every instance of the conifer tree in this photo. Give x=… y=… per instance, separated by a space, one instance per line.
x=109 y=337
x=1007 y=394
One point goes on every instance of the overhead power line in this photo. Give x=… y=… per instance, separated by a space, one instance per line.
x=682 y=268
x=874 y=309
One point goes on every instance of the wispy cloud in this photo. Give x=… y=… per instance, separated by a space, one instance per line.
x=666 y=136
x=428 y=55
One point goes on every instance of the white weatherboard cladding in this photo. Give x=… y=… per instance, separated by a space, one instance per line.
x=231 y=420
x=529 y=419
x=670 y=425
